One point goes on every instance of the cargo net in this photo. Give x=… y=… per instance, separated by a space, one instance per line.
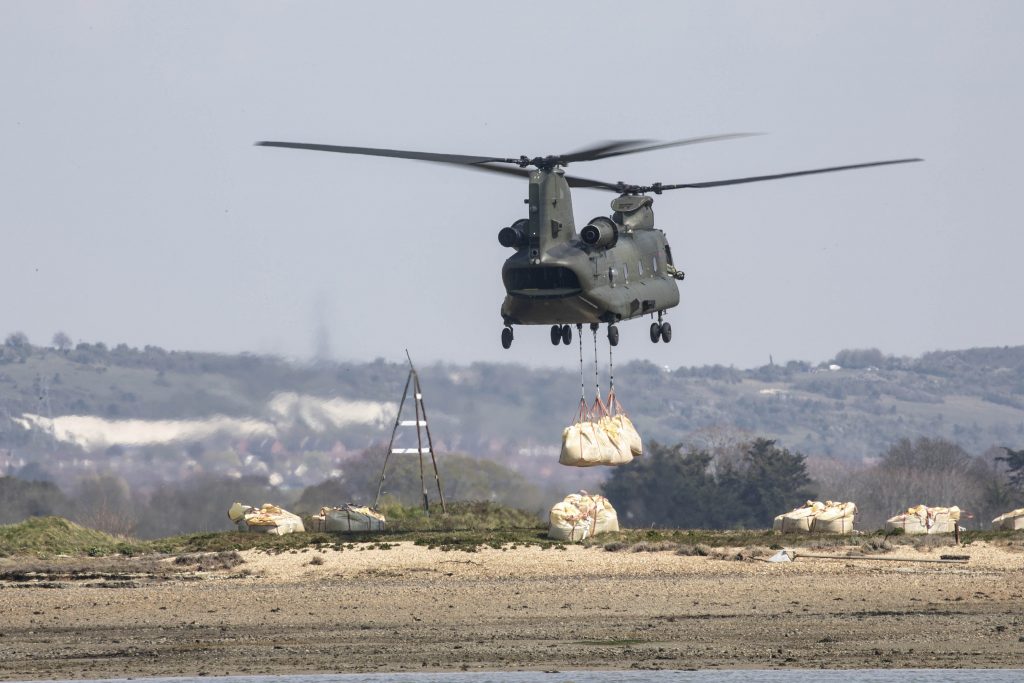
x=602 y=434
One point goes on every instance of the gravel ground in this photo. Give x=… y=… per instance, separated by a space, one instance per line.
x=409 y=608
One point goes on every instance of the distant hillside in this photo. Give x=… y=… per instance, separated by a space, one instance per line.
x=251 y=414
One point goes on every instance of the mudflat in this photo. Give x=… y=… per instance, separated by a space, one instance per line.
x=409 y=608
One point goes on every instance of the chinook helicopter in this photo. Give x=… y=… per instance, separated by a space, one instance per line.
x=615 y=268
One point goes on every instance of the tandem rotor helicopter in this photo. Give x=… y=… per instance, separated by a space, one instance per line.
x=615 y=268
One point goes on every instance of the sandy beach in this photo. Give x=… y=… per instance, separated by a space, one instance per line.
x=407 y=608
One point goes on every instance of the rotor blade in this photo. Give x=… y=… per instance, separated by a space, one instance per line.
x=371 y=151
x=508 y=170
x=573 y=181
x=599 y=149
x=616 y=148
x=576 y=181
x=776 y=176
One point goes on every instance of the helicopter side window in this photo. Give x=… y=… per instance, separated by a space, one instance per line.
x=640 y=269
x=625 y=274
x=654 y=264
x=611 y=277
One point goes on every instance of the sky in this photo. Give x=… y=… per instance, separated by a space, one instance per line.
x=136 y=209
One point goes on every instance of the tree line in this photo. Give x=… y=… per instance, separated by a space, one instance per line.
x=745 y=484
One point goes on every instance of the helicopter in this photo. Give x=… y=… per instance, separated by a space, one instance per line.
x=615 y=268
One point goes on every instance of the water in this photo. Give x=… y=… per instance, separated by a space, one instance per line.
x=731 y=676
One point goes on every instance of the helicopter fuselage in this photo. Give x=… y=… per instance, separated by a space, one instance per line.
x=619 y=267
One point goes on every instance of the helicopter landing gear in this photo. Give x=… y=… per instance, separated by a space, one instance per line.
x=561 y=334
x=506 y=337
x=660 y=330
x=613 y=335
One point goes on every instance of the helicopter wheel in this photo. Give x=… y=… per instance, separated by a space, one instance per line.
x=656 y=332
x=666 y=332
x=566 y=335
x=613 y=335
x=556 y=334
x=506 y=338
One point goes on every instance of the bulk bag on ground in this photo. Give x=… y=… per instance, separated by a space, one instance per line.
x=836 y=518
x=352 y=518
x=1009 y=521
x=830 y=517
x=922 y=519
x=581 y=516
x=268 y=519
x=798 y=520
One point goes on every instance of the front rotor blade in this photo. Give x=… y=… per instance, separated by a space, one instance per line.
x=776 y=176
x=401 y=154
x=599 y=150
x=507 y=170
x=573 y=181
x=664 y=145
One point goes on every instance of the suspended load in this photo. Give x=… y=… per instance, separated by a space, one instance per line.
x=922 y=519
x=268 y=519
x=1009 y=521
x=601 y=435
x=830 y=517
x=349 y=517
x=581 y=516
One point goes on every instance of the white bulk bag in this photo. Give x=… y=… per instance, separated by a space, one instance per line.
x=586 y=444
x=581 y=516
x=1009 y=521
x=269 y=519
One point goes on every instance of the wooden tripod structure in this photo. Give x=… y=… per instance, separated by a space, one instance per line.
x=420 y=423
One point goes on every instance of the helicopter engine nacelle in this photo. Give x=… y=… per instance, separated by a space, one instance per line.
x=514 y=236
x=600 y=232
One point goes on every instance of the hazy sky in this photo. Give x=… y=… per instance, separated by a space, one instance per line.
x=136 y=209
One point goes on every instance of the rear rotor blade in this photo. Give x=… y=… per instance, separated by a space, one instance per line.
x=576 y=181
x=776 y=176
x=401 y=154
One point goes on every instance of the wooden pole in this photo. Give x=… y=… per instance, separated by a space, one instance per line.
x=391 y=442
x=796 y=555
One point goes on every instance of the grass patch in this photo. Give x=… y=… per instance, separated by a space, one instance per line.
x=49 y=536
x=461 y=516
x=468 y=527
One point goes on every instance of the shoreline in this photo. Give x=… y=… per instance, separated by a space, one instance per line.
x=404 y=607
